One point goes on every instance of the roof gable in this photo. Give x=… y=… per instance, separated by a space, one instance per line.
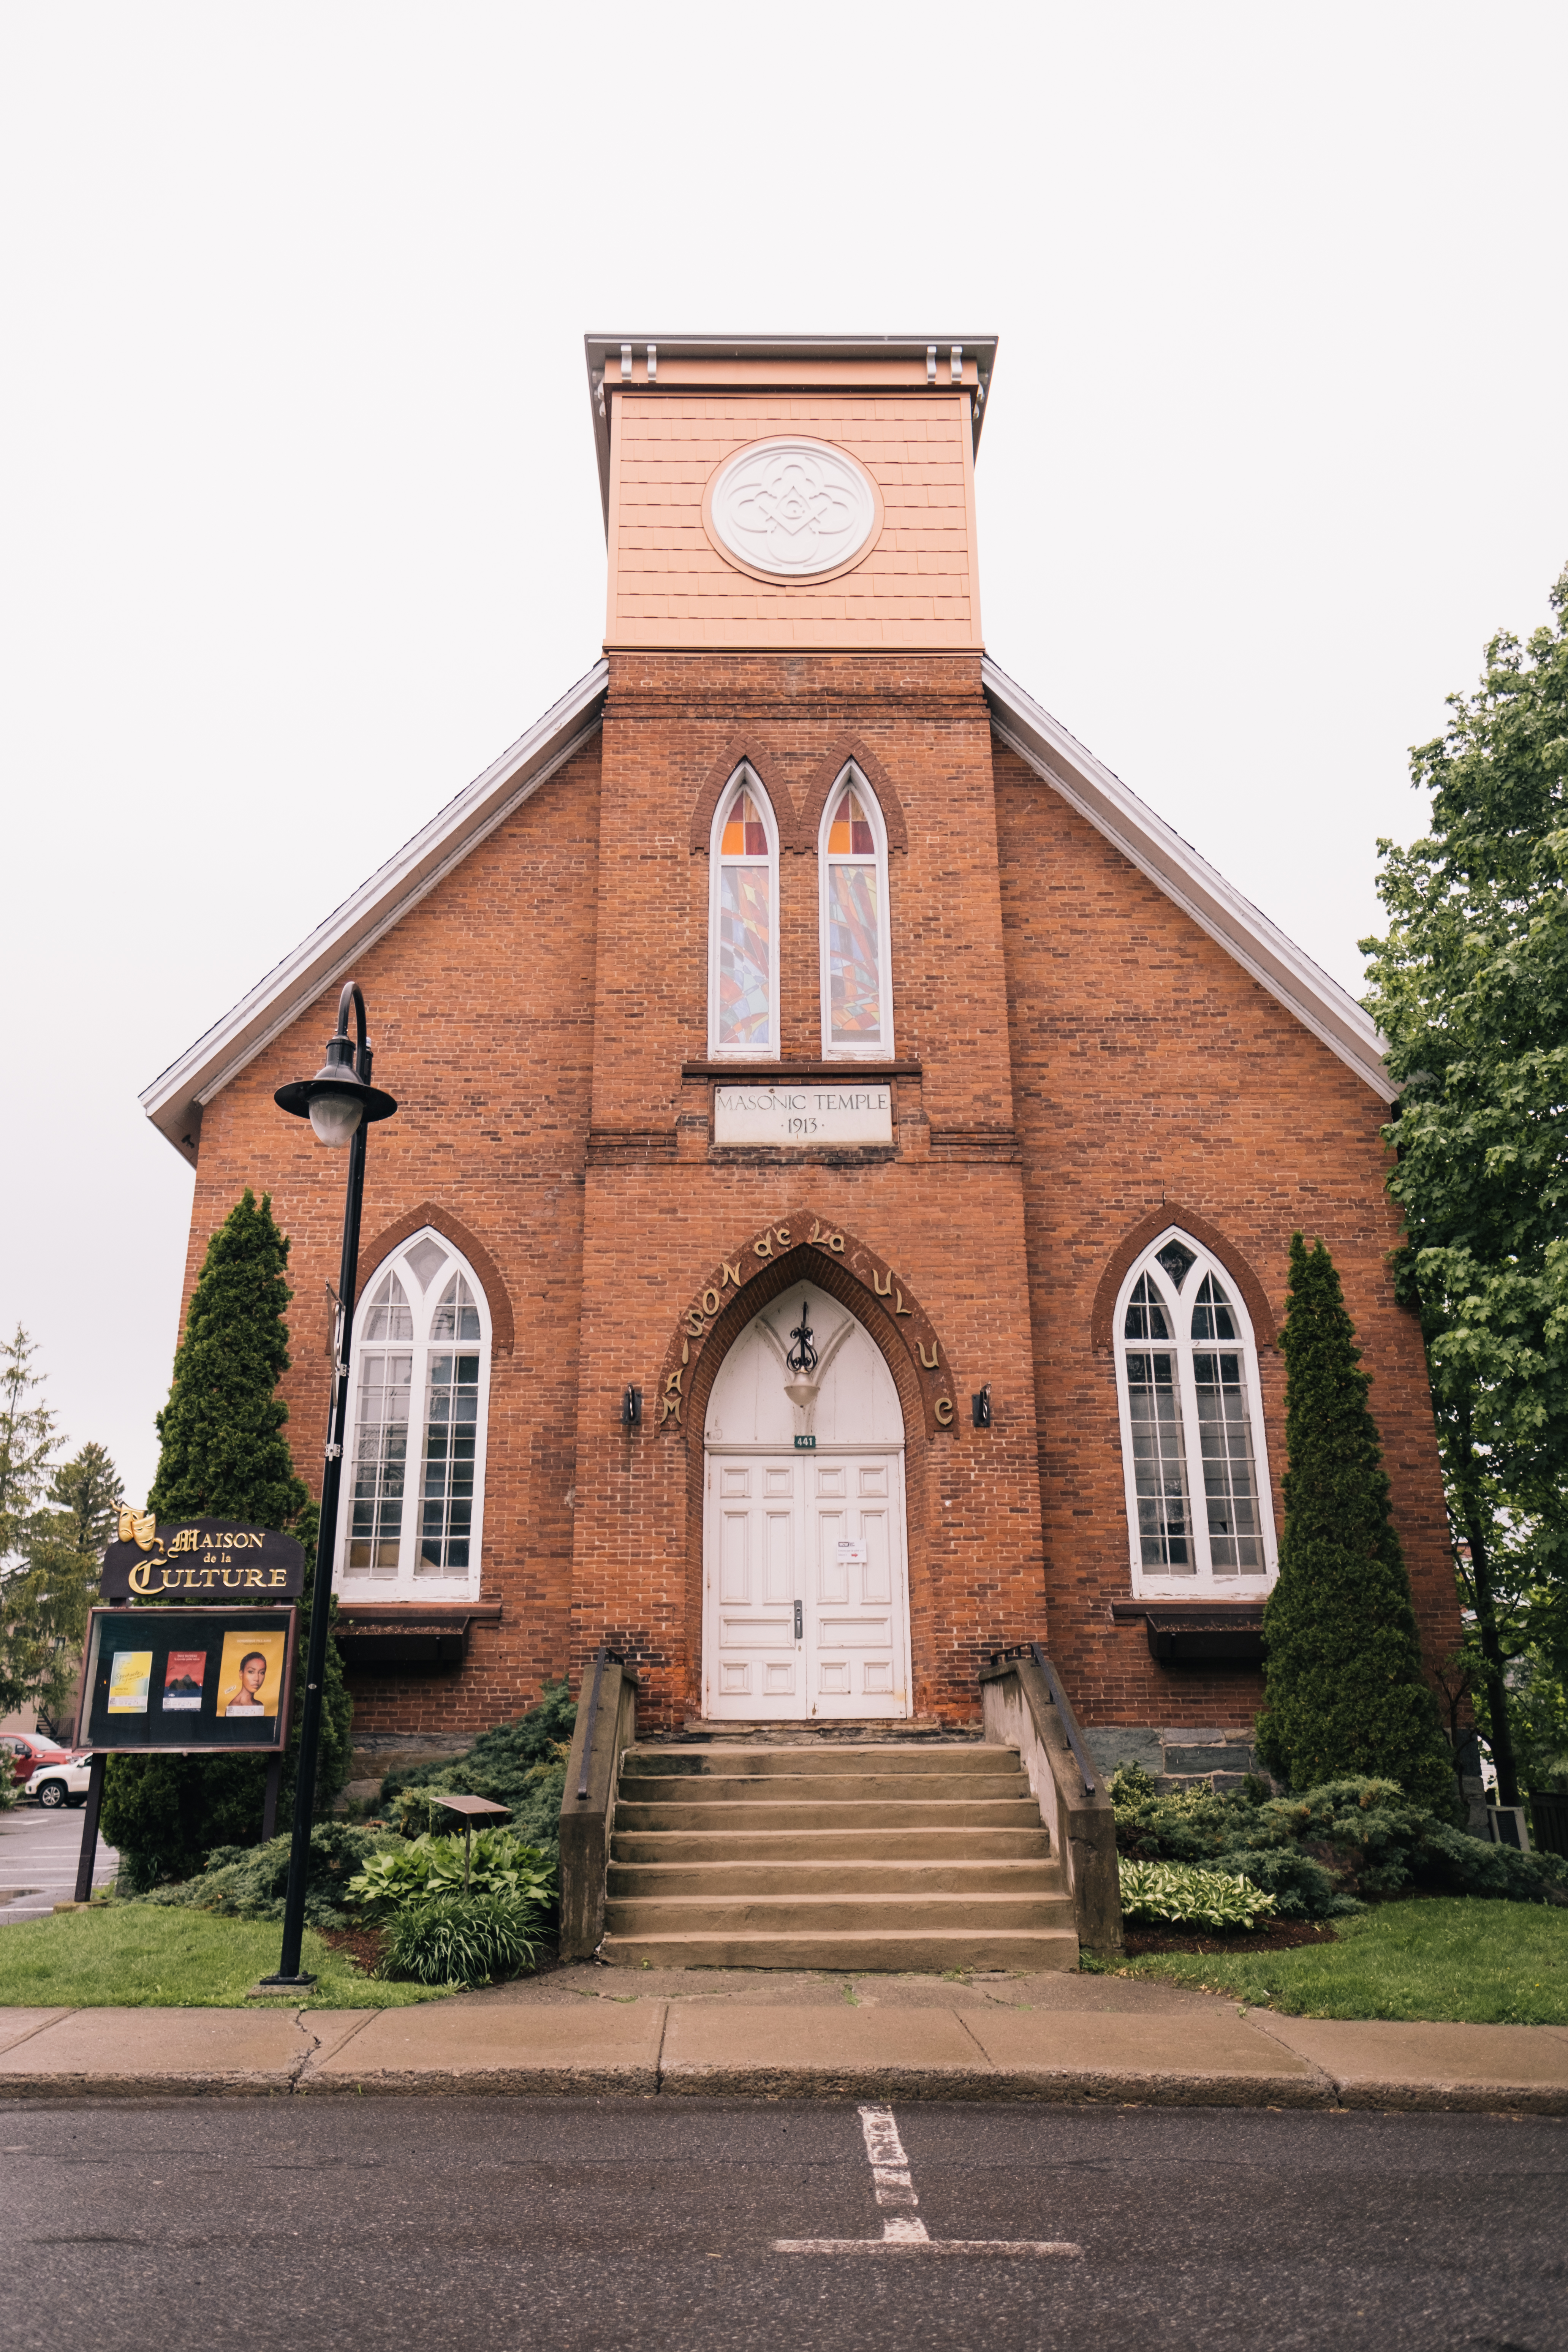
x=1157 y=850
x=175 y=1101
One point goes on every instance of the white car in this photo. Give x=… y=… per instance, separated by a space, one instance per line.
x=60 y=1784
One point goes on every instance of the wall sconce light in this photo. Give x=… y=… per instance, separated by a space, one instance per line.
x=980 y=1407
x=631 y=1408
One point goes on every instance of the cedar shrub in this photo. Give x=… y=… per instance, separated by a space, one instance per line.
x=225 y=1455
x=1344 y=1694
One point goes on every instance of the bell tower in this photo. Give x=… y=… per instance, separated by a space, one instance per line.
x=790 y=495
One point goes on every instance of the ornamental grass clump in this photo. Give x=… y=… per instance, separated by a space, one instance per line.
x=1178 y=1895
x=461 y=1939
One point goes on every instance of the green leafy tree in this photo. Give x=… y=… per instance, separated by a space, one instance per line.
x=46 y=1604
x=27 y=1445
x=225 y=1455
x=1344 y=1695
x=1470 y=988
x=26 y=1442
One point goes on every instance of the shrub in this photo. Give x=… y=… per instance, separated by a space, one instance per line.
x=522 y=1765
x=396 y=1876
x=461 y=1939
x=244 y=1882
x=1316 y=1854
x=1343 y=1686
x=1176 y=1893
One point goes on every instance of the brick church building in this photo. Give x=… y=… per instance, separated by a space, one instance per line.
x=836 y=1222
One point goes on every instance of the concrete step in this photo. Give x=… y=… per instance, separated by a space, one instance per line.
x=930 y=1951
x=809 y=1875
x=980 y=1813
x=837 y=1757
x=866 y=1847
x=822 y=1789
x=835 y=1915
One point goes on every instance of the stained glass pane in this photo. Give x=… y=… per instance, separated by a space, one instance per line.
x=1145 y=1312
x=1176 y=1258
x=1230 y=1488
x=849 y=835
x=450 y=1433
x=745 y=956
x=744 y=834
x=381 y=1455
x=854 y=955
x=389 y=1316
x=457 y=1316
x=1159 y=1465
x=1211 y=1317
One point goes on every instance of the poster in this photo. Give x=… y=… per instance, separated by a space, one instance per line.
x=130 y=1682
x=251 y=1675
x=183 y=1674
x=187 y=1681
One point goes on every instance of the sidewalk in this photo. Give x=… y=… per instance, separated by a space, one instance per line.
x=592 y=2031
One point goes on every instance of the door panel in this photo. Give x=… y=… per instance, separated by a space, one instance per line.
x=817 y=1543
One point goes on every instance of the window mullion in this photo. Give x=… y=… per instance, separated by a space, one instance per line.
x=1193 y=1442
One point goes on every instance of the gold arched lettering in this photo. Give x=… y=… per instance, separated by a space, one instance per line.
x=943 y=1411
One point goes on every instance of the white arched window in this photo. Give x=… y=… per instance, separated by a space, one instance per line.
x=857 y=976
x=743 y=923
x=413 y=1494
x=1192 y=1425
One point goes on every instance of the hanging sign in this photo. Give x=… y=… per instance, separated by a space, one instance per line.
x=191 y=1680
x=200 y=1559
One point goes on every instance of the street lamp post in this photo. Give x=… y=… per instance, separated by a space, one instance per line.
x=340 y=1103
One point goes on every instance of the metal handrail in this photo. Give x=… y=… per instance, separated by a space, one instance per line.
x=600 y=1656
x=1059 y=1698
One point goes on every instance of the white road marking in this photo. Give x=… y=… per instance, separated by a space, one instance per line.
x=904 y=2233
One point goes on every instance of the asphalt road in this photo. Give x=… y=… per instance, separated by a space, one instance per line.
x=39 y=1854
x=413 y=2224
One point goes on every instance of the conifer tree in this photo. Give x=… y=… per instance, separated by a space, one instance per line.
x=225 y=1455
x=1343 y=1689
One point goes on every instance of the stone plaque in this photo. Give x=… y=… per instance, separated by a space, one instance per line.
x=804 y=1115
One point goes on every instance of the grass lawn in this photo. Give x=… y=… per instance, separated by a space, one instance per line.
x=140 y=1956
x=1456 y=1959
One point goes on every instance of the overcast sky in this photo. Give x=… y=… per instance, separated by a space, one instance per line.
x=301 y=518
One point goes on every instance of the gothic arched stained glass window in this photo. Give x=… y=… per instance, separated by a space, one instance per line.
x=743 y=923
x=1192 y=1425
x=414 y=1489
x=856 y=984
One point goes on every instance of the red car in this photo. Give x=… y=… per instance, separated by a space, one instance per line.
x=29 y=1749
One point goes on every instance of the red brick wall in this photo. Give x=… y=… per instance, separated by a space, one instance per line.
x=481 y=1016
x=1150 y=1068
x=944 y=1208
x=532 y=1015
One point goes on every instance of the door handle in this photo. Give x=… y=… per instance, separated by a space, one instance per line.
x=800 y=1621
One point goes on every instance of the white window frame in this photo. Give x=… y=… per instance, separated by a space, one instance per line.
x=409 y=1582
x=840 y=1050
x=1202 y=1582
x=745 y=774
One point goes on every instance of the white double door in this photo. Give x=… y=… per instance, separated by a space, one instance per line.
x=806 y=1601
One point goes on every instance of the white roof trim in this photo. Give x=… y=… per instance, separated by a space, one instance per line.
x=175 y=1101
x=1276 y=963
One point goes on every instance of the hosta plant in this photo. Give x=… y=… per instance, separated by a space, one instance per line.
x=499 y=1865
x=1179 y=1896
